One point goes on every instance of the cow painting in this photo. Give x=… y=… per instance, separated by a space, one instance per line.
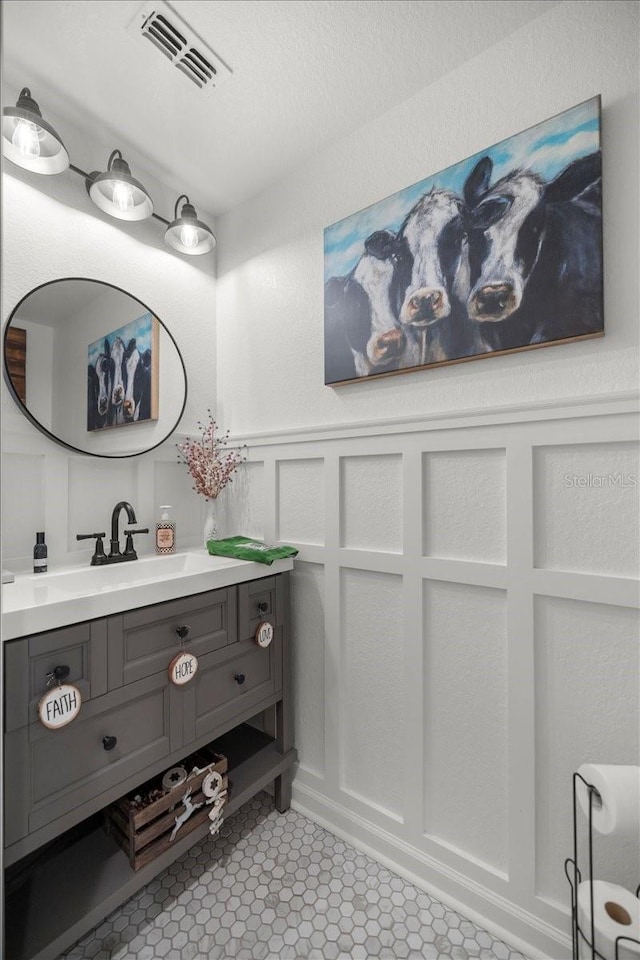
x=122 y=375
x=498 y=253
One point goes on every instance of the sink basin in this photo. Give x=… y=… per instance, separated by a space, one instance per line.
x=77 y=582
x=38 y=602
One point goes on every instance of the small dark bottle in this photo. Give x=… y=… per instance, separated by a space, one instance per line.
x=40 y=554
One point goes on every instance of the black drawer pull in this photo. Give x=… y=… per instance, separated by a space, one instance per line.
x=239 y=678
x=109 y=742
x=263 y=606
x=183 y=631
x=61 y=673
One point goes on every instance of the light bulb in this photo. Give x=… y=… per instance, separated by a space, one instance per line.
x=123 y=195
x=26 y=137
x=189 y=236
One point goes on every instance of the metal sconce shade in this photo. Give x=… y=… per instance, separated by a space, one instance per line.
x=29 y=141
x=117 y=193
x=186 y=233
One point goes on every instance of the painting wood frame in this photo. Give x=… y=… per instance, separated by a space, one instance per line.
x=497 y=254
x=110 y=401
x=16 y=354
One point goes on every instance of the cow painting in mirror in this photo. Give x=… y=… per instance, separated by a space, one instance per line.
x=499 y=253
x=122 y=375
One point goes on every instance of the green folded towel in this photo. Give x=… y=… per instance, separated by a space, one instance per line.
x=243 y=548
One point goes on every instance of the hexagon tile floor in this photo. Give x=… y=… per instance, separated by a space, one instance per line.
x=279 y=886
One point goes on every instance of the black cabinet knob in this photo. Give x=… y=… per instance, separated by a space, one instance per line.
x=61 y=673
x=263 y=606
x=239 y=678
x=183 y=631
x=109 y=742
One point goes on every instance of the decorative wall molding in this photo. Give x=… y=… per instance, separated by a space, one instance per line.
x=601 y=405
x=457 y=467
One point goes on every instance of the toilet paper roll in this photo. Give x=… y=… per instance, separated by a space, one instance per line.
x=617 y=808
x=617 y=914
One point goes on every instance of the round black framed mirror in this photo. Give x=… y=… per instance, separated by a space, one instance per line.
x=93 y=368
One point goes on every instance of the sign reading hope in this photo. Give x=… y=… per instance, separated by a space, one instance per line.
x=59 y=706
x=183 y=668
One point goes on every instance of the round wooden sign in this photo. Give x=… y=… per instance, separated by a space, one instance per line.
x=59 y=706
x=183 y=668
x=264 y=633
x=212 y=785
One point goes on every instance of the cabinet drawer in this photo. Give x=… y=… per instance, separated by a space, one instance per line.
x=215 y=695
x=257 y=600
x=82 y=648
x=143 y=642
x=50 y=773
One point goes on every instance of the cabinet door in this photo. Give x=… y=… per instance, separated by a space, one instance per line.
x=143 y=642
x=67 y=772
x=82 y=648
x=232 y=684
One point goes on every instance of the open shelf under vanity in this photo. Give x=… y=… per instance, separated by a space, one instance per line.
x=61 y=894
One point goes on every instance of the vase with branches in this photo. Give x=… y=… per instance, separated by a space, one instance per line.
x=211 y=464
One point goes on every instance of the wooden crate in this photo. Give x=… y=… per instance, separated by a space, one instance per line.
x=144 y=832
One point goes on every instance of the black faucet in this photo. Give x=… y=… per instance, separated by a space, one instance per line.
x=99 y=557
x=115 y=520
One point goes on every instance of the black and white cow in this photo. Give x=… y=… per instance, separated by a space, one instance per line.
x=534 y=254
x=433 y=305
x=362 y=333
x=99 y=384
x=136 y=368
x=117 y=390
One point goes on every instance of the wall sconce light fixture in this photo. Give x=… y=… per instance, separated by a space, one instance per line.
x=117 y=193
x=32 y=143
x=29 y=141
x=186 y=233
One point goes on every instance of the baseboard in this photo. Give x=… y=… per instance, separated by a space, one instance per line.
x=500 y=917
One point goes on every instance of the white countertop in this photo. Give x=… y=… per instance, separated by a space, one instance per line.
x=37 y=602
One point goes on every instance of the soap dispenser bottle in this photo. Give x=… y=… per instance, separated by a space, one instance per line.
x=165 y=532
x=40 y=554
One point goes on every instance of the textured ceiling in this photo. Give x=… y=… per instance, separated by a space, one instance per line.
x=305 y=73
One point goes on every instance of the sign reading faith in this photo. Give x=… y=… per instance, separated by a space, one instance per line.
x=59 y=706
x=183 y=668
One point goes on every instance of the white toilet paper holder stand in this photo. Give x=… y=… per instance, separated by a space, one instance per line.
x=574 y=876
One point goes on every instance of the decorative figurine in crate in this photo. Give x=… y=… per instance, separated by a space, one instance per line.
x=148 y=821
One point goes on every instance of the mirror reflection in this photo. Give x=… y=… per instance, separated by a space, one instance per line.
x=94 y=368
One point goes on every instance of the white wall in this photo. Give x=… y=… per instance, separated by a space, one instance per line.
x=51 y=230
x=270 y=268
x=466 y=628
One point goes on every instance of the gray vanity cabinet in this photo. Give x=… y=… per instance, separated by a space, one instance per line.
x=57 y=782
x=62 y=775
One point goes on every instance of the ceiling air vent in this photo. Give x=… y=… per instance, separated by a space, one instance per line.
x=161 y=26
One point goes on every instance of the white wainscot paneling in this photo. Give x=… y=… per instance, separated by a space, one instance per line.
x=371 y=503
x=240 y=507
x=465 y=505
x=301 y=501
x=586 y=508
x=95 y=486
x=372 y=734
x=172 y=484
x=23 y=503
x=587 y=701
x=307 y=616
x=465 y=709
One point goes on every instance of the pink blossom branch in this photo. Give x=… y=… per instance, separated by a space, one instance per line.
x=210 y=466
